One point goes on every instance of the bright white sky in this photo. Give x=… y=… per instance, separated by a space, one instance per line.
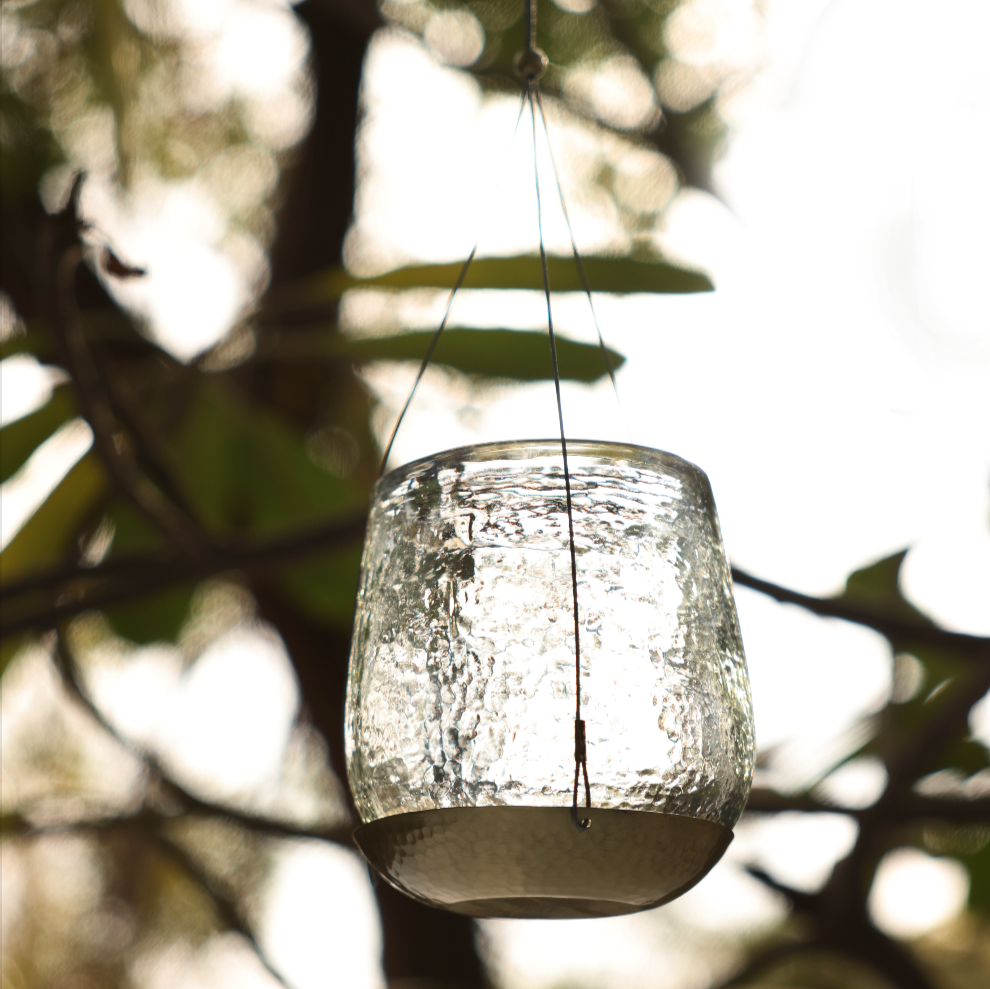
x=834 y=388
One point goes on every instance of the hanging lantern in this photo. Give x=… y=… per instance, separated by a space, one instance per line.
x=532 y=616
x=463 y=694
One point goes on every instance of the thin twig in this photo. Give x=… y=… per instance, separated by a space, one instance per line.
x=228 y=909
x=22 y=824
x=151 y=824
x=189 y=803
x=150 y=450
x=96 y=410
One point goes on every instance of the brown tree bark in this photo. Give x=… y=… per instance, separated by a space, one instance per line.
x=424 y=946
x=316 y=212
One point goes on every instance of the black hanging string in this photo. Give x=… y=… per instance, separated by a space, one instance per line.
x=427 y=357
x=529 y=13
x=443 y=322
x=580 y=744
x=529 y=65
x=580 y=266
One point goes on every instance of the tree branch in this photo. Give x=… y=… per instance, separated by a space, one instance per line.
x=148 y=818
x=763 y=800
x=152 y=822
x=140 y=575
x=903 y=807
x=896 y=629
x=69 y=591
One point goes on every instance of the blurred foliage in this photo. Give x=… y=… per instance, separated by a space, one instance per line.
x=655 y=53
x=252 y=464
x=620 y=275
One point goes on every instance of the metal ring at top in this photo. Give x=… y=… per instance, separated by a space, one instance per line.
x=530 y=64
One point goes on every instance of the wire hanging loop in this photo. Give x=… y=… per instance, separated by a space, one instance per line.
x=585 y=285
x=580 y=743
x=446 y=315
x=530 y=64
x=580 y=763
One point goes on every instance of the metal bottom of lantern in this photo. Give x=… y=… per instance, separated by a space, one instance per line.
x=533 y=862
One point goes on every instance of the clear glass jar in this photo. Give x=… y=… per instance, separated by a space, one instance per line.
x=462 y=678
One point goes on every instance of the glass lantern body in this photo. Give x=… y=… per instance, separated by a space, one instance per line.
x=461 y=691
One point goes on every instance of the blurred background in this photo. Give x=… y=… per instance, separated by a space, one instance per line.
x=229 y=231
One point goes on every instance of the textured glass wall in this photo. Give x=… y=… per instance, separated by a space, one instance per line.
x=461 y=689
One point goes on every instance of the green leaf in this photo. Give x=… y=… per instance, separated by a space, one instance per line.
x=9 y=648
x=15 y=344
x=21 y=438
x=52 y=530
x=248 y=470
x=522 y=356
x=155 y=617
x=979 y=880
x=904 y=721
x=967 y=756
x=28 y=148
x=325 y=589
x=35 y=340
x=605 y=274
x=877 y=587
x=133 y=534
x=969 y=842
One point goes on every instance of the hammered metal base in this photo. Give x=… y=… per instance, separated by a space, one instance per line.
x=533 y=862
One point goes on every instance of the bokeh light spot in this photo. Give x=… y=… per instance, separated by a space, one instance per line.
x=455 y=37
x=914 y=893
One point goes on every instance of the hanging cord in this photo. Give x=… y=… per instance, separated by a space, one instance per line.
x=580 y=744
x=529 y=12
x=580 y=267
x=446 y=314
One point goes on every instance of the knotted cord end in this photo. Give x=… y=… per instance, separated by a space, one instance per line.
x=580 y=763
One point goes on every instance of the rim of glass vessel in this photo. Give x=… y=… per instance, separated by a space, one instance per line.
x=603 y=450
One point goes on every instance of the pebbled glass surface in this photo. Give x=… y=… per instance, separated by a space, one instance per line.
x=461 y=681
